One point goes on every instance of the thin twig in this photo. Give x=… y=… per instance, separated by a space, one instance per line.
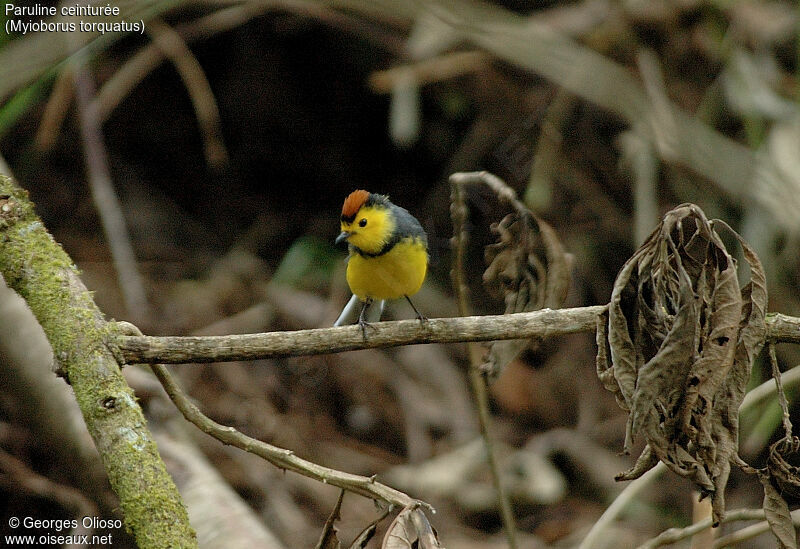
x=151 y=56
x=625 y=497
x=545 y=163
x=198 y=87
x=758 y=394
x=749 y=532
x=776 y=375
x=376 y=29
x=477 y=378
x=279 y=457
x=501 y=190
x=55 y=111
x=105 y=199
x=674 y=535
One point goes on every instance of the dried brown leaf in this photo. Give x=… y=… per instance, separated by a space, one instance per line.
x=329 y=539
x=411 y=529
x=785 y=475
x=605 y=369
x=780 y=477
x=777 y=514
x=679 y=345
x=529 y=268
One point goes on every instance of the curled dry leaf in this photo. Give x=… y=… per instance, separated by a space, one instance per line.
x=529 y=268
x=785 y=475
x=678 y=345
x=780 y=477
x=411 y=529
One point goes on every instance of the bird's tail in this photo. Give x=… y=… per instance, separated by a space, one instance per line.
x=352 y=310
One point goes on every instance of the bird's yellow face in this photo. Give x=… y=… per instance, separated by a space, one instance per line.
x=370 y=229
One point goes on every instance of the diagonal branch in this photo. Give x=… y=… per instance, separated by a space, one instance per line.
x=279 y=457
x=39 y=270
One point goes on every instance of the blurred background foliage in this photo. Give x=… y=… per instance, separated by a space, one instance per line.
x=229 y=133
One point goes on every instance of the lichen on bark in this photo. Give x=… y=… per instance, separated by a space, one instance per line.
x=39 y=270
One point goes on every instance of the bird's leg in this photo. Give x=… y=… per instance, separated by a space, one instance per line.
x=422 y=318
x=362 y=321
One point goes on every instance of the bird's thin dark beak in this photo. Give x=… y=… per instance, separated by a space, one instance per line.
x=344 y=235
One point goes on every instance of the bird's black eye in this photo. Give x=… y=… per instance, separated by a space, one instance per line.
x=362 y=223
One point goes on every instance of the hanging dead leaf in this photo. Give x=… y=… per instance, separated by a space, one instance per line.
x=529 y=269
x=411 y=529
x=329 y=539
x=777 y=514
x=605 y=371
x=780 y=477
x=679 y=345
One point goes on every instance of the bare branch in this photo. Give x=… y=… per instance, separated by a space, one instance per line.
x=783 y=328
x=543 y=324
x=282 y=458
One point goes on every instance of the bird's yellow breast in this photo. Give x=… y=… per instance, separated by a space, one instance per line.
x=397 y=273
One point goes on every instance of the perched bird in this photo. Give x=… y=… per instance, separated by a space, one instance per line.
x=388 y=253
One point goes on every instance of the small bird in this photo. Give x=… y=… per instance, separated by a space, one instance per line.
x=388 y=252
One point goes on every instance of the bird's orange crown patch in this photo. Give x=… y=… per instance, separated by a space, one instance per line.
x=353 y=203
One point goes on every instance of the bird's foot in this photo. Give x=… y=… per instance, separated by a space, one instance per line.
x=364 y=325
x=421 y=317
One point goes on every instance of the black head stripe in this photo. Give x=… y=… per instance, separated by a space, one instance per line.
x=377 y=200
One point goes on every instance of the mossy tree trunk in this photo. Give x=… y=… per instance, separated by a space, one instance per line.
x=39 y=270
